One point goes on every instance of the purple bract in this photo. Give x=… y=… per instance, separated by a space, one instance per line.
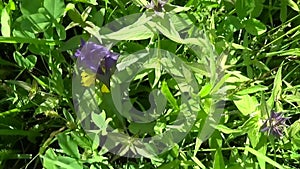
x=275 y=124
x=157 y=7
x=92 y=56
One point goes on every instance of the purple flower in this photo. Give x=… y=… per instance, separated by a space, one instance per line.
x=275 y=124
x=157 y=7
x=95 y=57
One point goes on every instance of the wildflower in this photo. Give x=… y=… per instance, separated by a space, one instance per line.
x=157 y=5
x=96 y=60
x=91 y=55
x=275 y=124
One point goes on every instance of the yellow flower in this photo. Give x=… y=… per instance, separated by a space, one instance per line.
x=104 y=89
x=88 y=78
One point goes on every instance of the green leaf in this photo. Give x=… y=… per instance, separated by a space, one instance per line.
x=205 y=90
x=226 y=130
x=41 y=81
x=36 y=23
x=233 y=23
x=293 y=5
x=68 y=116
x=208 y=126
x=218 y=160
x=55 y=61
x=68 y=145
x=49 y=159
x=244 y=7
x=142 y=128
x=28 y=40
x=140 y=2
x=254 y=26
x=93 y=2
x=7 y=63
x=167 y=28
x=263 y=105
x=292 y=98
x=25 y=63
x=74 y=14
x=167 y=93
x=72 y=43
x=264 y=158
x=12 y=132
x=83 y=142
x=98 y=17
x=276 y=91
x=47 y=105
x=262 y=148
x=11 y=5
x=60 y=29
x=5 y=23
x=219 y=84
x=259 y=6
x=246 y=104
x=132 y=32
x=99 y=120
x=294 y=128
x=157 y=70
x=22 y=84
x=283 y=11
x=168 y=45
x=198 y=162
x=29 y=7
x=260 y=65
x=173 y=164
x=68 y=162
x=181 y=21
x=55 y=7
x=252 y=89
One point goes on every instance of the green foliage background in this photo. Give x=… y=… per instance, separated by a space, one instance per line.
x=258 y=45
